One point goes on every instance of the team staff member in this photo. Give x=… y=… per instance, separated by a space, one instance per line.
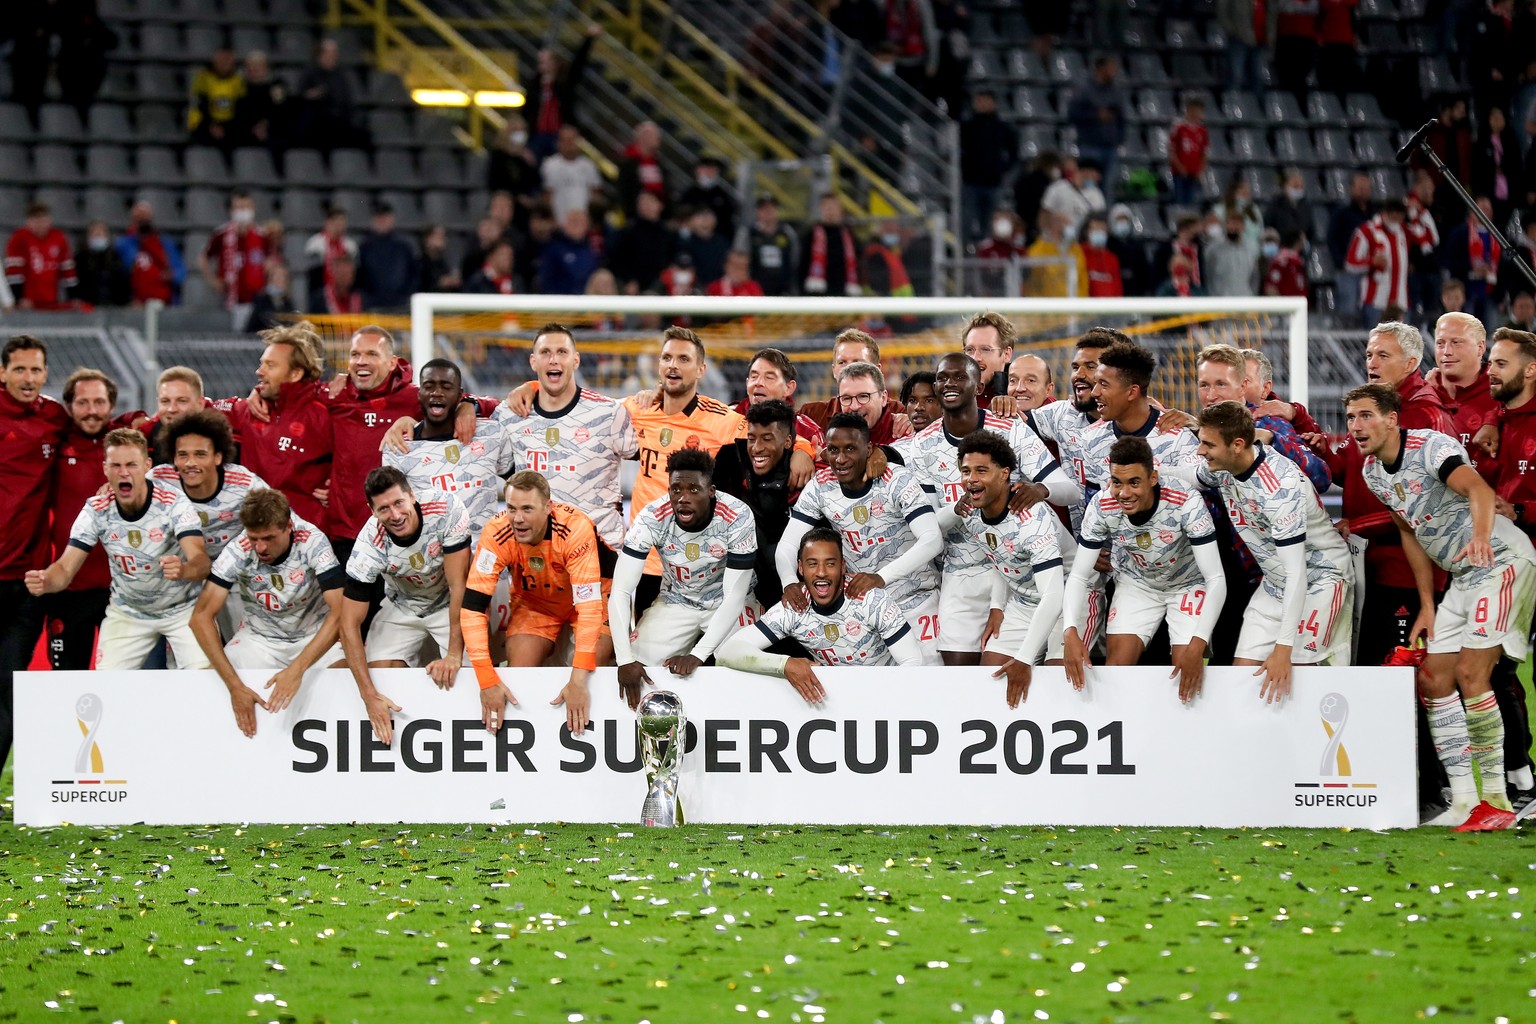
x=178 y=391
x=849 y=347
x=1461 y=384
x=772 y=377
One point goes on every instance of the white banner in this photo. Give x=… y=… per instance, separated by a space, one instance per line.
x=889 y=746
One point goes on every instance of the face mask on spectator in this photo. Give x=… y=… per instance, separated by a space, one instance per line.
x=1213 y=232
x=1002 y=228
x=1295 y=195
x=1121 y=228
x=886 y=70
x=890 y=239
x=244 y=215
x=1270 y=250
x=518 y=138
x=708 y=181
x=1069 y=233
x=97 y=243
x=1097 y=237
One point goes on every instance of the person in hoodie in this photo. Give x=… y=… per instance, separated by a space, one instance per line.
x=570 y=258
x=641 y=171
x=156 y=268
x=709 y=190
x=387 y=265
x=103 y=277
x=1130 y=253
x=708 y=246
x=644 y=247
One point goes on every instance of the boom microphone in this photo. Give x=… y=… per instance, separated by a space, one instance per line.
x=1417 y=140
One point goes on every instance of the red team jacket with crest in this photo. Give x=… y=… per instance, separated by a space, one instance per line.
x=1471 y=408
x=29 y=442
x=77 y=479
x=1517 y=462
x=291 y=452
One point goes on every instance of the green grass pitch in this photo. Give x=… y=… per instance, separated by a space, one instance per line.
x=702 y=924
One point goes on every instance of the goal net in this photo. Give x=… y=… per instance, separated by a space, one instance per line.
x=489 y=336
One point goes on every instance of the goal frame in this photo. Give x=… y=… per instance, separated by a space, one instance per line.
x=425 y=305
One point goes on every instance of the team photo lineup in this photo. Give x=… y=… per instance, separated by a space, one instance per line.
x=994 y=510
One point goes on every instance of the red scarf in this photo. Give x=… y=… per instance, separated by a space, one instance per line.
x=549 y=121
x=503 y=284
x=1475 y=249
x=1190 y=252
x=1182 y=285
x=336 y=303
x=904 y=27
x=819 y=256
x=147 y=276
x=334 y=248
x=242 y=264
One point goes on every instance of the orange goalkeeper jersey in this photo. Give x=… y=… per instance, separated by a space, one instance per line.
x=561 y=576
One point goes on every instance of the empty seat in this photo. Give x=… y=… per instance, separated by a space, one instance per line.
x=205 y=165
x=1294 y=146
x=1220 y=151
x=56 y=164
x=109 y=122
x=1283 y=109
x=1251 y=145
x=158 y=164
x=432 y=130
x=1384 y=37
x=167 y=206
x=1333 y=146
x=306 y=167
x=1157 y=143
x=159 y=121
x=443 y=207
x=387 y=90
x=158 y=83
x=293 y=45
x=60 y=122
x=1364 y=111
x=396 y=168
x=1372 y=147
x=302 y=209
x=106 y=204
x=351 y=168
x=1192 y=69
x=202 y=40
x=390 y=127
x=357 y=204
x=15 y=163
x=14 y=123
x=108 y=165
x=13 y=204
x=252 y=166
x=162 y=41
x=984 y=66
x=63 y=206
x=1155 y=106
x=206 y=207
x=1386 y=183
x=442 y=169
x=1066 y=66
x=408 y=215
x=1261 y=182
x=1324 y=108
x=1336 y=185
x=1033 y=139
x=1147 y=69
x=1242 y=108
x=245 y=38
x=1033 y=103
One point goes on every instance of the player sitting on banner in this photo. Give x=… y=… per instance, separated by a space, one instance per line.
x=1300 y=615
x=1445 y=513
x=155 y=551
x=837 y=627
x=1022 y=552
x=708 y=544
x=559 y=569
x=889 y=524
x=1165 y=564
x=290 y=587
x=414 y=554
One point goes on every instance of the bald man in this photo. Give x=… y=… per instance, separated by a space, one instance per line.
x=1030 y=383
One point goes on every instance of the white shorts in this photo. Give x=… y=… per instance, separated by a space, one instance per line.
x=124 y=640
x=1323 y=635
x=1016 y=620
x=965 y=602
x=398 y=635
x=1138 y=611
x=667 y=630
x=923 y=616
x=1495 y=614
x=251 y=650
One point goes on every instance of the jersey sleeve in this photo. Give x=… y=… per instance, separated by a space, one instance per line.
x=226 y=570
x=1044 y=548
x=887 y=618
x=322 y=558
x=911 y=499
x=1199 y=527
x=807 y=507
x=1442 y=455
x=641 y=536
x=741 y=542
x=1287 y=511
x=489 y=562
x=625 y=443
x=774 y=623
x=457 y=533
x=1042 y=421
x=1094 y=530
x=87 y=529
x=1035 y=462
x=365 y=563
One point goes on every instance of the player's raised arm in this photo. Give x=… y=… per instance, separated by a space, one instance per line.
x=60 y=574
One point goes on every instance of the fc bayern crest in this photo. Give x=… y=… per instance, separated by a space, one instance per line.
x=536 y=563
x=853 y=628
x=717 y=549
x=582 y=435
x=295 y=576
x=156 y=535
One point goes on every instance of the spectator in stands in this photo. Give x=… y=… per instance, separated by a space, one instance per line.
x=154 y=261
x=737 y=279
x=39 y=263
x=514 y=170
x=1522 y=312
x=276 y=236
x=339 y=295
x=1338 y=58
x=387 y=265
x=644 y=248
x=1104 y=281
x=1492 y=62
x=1069 y=196
x=1056 y=251
x=952 y=25
x=1453 y=296
x=1097 y=111
x=103 y=277
x=325 y=246
x=1473 y=256
x=679 y=278
x=829 y=253
x=1186 y=243
x=1423 y=248
x=216 y=89
x=640 y=169
x=1249 y=27
x=1342 y=226
x=709 y=191
x=327 y=117
x=1378 y=258
x=1497 y=167
x=1005 y=244
x=1295 y=45
x=495 y=275
x=1231 y=268
x=261 y=113
x=1030 y=187
x=571 y=256
x=487 y=234
x=30 y=30
x=530 y=248
x=552 y=100
x=84 y=42
x=988 y=148
x=571 y=179
x=1285 y=273
x=707 y=246
x=1451 y=139
x=1135 y=277
x=1238 y=202
x=911 y=30
x=1188 y=144
x=773 y=248
x=884 y=266
x=274 y=303
x=235 y=261
x=435 y=272
x=1290 y=210
x=1181 y=281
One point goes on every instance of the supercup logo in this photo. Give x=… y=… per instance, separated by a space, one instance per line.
x=88 y=716
x=1334 y=710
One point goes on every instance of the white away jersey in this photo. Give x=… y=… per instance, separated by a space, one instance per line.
x=285 y=600
x=1273 y=504
x=693 y=562
x=934 y=456
x=875 y=523
x=850 y=632
x=412 y=567
x=579 y=449
x=1155 y=552
x=1441 y=519
x=1062 y=423
x=1018 y=545
x=134 y=548
x=219 y=516
x=472 y=473
x=1171 y=448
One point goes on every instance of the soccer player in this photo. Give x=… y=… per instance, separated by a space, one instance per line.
x=178 y=391
x=707 y=544
x=920 y=400
x=755 y=471
x=1022 y=550
x=1065 y=422
x=1445 y=513
x=965 y=591
x=157 y=556
x=1166 y=567
x=290 y=587
x=772 y=377
x=199 y=461
x=1221 y=375
x=1030 y=384
x=836 y=627
x=888 y=523
x=559 y=567
x=1120 y=392
x=1300 y=613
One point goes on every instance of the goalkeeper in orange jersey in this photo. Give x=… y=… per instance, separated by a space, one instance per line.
x=561 y=573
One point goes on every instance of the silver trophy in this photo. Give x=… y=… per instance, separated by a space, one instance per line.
x=662 y=732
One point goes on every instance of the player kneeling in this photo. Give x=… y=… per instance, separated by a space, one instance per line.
x=558 y=569
x=290 y=587
x=1165 y=566
x=836 y=628
x=417 y=551
x=1445 y=513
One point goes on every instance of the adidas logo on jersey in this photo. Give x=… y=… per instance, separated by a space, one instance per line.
x=1481 y=631
x=1311 y=647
